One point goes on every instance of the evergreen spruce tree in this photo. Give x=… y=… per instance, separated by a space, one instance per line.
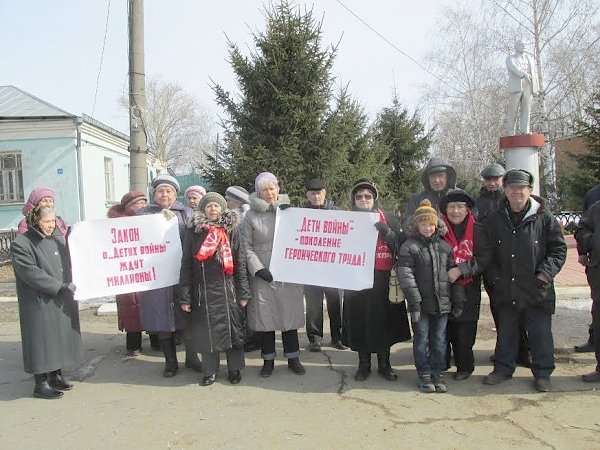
x=286 y=118
x=408 y=142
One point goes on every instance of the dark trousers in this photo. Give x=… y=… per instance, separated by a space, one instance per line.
x=593 y=277
x=314 y=312
x=523 y=341
x=538 y=324
x=211 y=361
x=462 y=339
x=291 y=347
x=133 y=340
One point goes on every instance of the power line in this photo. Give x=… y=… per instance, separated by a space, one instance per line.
x=101 y=58
x=394 y=46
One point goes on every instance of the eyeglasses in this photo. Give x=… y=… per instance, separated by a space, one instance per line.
x=363 y=196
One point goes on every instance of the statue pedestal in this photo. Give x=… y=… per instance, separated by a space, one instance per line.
x=521 y=152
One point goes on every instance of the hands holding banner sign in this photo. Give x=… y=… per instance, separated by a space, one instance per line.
x=130 y=254
x=329 y=248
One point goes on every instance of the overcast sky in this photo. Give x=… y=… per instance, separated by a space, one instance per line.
x=52 y=49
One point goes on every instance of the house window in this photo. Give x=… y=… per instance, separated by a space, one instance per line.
x=109 y=179
x=11 y=178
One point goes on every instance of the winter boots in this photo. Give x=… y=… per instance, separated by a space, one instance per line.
x=43 y=390
x=364 y=366
x=170 y=352
x=384 y=368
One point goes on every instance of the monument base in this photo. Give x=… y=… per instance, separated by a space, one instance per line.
x=521 y=152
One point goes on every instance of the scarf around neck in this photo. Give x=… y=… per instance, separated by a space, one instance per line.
x=216 y=239
x=463 y=249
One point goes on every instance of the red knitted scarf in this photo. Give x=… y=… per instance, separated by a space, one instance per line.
x=463 y=250
x=216 y=237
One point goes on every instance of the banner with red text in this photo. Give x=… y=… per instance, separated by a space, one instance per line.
x=127 y=254
x=324 y=248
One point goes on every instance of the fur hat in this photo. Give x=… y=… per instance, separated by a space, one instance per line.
x=165 y=180
x=212 y=197
x=198 y=190
x=456 y=195
x=425 y=213
x=237 y=193
x=131 y=197
x=262 y=177
x=34 y=198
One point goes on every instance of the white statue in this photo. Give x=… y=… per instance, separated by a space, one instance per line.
x=523 y=84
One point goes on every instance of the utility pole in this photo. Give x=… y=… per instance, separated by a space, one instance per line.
x=137 y=98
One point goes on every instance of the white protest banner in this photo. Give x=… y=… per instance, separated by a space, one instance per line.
x=126 y=254
x=324 y=248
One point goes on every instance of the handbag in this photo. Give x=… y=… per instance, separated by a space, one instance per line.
x=396 y=294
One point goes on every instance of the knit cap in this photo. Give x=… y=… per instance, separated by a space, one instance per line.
x=262 y=177
x=165 y=180
x=212 y=197
x=131 y=197
x=425 y=213
x=238 y=194
x=196 y=189
x=34 y=198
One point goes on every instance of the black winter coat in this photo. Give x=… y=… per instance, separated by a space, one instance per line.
x=514 y=256
x=423 y=265
x=370 y=322
x=588 y=235
x=487 y=202
x=217 y=320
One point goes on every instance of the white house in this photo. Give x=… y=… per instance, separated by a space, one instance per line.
x=85 y=162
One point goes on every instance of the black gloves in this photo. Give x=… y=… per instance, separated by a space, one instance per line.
x=285 y=206
x=67 y=288
x=383 y=229
x=264 y=274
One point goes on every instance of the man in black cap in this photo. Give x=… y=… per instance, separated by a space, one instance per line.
x=437 y=177
x=524 y=250
x=316 y=195
x=491 y=191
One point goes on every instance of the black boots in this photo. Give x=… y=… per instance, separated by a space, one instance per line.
x=267 y=368
x=154 y=341
x=364 y=366
x=384 y=368
x=296 y=366
x=170 y=352
x=589 y=345
x=191 y=357
x=56 y=380
x=43 y=390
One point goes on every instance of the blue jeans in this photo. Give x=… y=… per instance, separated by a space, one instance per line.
x=429 y=343
x=538 y=324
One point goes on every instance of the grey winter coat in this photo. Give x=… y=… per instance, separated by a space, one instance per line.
x=434 y=197
x=423 y=265
x=217 y=319
x=49 y=317
x=157 y=307
x=274 y=306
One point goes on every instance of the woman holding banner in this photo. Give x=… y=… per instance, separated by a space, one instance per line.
x=371 y=324
x=128 y=305
x=213 y=287
x=49 y=317
x=157 y=311
x=275 y=306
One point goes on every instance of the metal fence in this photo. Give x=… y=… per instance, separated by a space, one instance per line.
x=6 y=238
x=568 y=219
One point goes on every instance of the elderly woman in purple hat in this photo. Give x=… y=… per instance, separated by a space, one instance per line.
x=275 y=306
x=40 y=196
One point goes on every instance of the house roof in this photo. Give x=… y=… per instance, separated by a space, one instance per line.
x=16 y=103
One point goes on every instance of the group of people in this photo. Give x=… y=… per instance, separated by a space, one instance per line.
x=440 y=248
